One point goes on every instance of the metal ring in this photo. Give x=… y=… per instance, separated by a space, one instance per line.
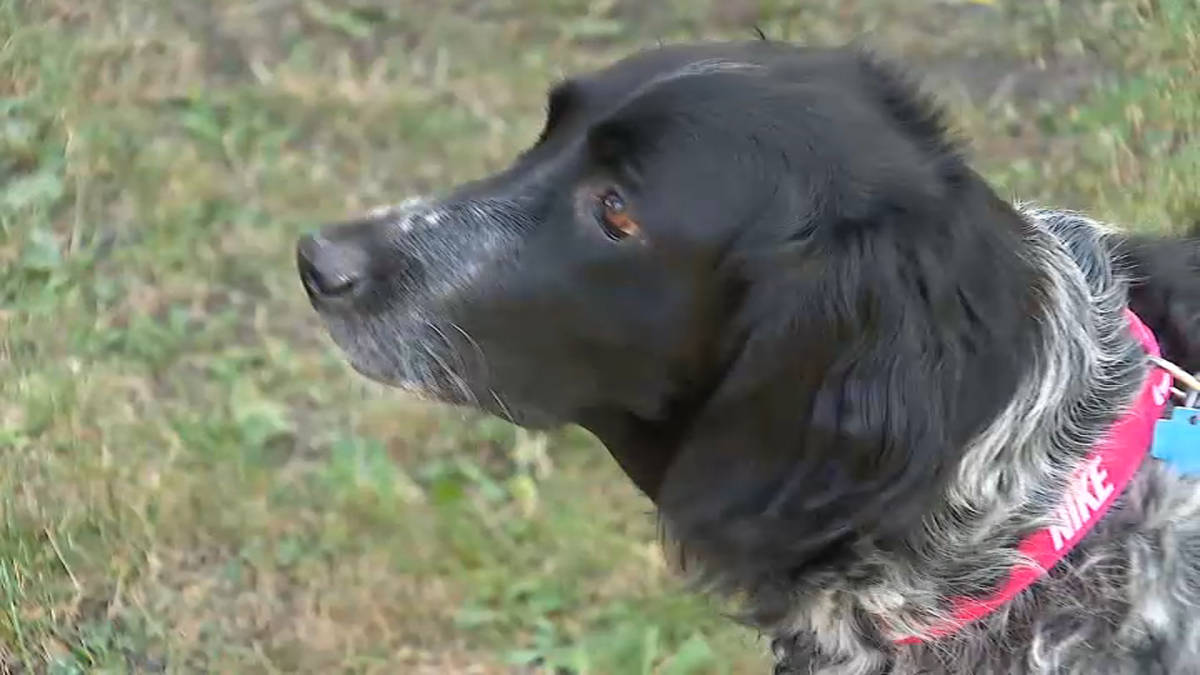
x=1178 y=373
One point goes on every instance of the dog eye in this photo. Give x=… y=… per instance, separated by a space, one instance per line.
x=614 y=217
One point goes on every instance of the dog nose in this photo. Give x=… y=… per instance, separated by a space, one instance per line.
x=330 y=269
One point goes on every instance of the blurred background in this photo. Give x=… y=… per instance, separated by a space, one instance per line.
x=191 y=480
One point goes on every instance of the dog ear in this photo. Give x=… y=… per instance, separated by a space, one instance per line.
x=867 y=353
x=1164 y=289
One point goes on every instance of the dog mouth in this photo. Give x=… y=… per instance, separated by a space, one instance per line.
x=395 y=290
x=412 y=368
x=452 y=390
x=421 y=390
x=373 y=372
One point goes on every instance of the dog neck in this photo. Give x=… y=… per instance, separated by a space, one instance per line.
x=1085 y=374
x=1092 y=491
x=1010 y=485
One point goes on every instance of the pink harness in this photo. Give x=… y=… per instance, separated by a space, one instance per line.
x=1091 y=492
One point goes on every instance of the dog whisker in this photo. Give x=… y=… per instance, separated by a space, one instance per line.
x=481 y=360
x=507 y=414
x=451 y=374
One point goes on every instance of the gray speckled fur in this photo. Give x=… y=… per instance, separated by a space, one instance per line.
x=1124 y=602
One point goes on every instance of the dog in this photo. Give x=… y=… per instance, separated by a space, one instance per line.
x=902 y=422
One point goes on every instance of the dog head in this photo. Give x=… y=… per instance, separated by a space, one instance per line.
x=760 y=272
x=589 y=273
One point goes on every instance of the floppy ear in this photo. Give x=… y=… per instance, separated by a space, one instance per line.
x=1165 y=289
x=867 y=353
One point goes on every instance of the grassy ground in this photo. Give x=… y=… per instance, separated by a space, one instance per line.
x=190 y=478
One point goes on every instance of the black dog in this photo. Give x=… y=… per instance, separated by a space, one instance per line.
x=850 y=376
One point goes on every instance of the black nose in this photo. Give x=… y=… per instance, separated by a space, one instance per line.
x=330 y=269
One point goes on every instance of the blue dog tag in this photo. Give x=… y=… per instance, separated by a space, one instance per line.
x=1177 y=439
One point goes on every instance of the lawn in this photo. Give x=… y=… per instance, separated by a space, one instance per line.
x=192 y=480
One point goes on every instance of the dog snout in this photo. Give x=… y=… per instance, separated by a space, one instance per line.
x=331 y=270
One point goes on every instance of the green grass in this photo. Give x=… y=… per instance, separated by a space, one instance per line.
x=191 y=480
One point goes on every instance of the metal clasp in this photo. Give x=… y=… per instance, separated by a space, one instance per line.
x=1189 y=395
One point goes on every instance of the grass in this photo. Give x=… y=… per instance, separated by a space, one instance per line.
x=191 y=480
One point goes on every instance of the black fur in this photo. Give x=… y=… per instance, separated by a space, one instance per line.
x=1165 y=290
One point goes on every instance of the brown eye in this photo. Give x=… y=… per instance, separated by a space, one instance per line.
x=614 y=218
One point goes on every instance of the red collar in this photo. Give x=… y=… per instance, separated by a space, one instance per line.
x=1096 y=484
